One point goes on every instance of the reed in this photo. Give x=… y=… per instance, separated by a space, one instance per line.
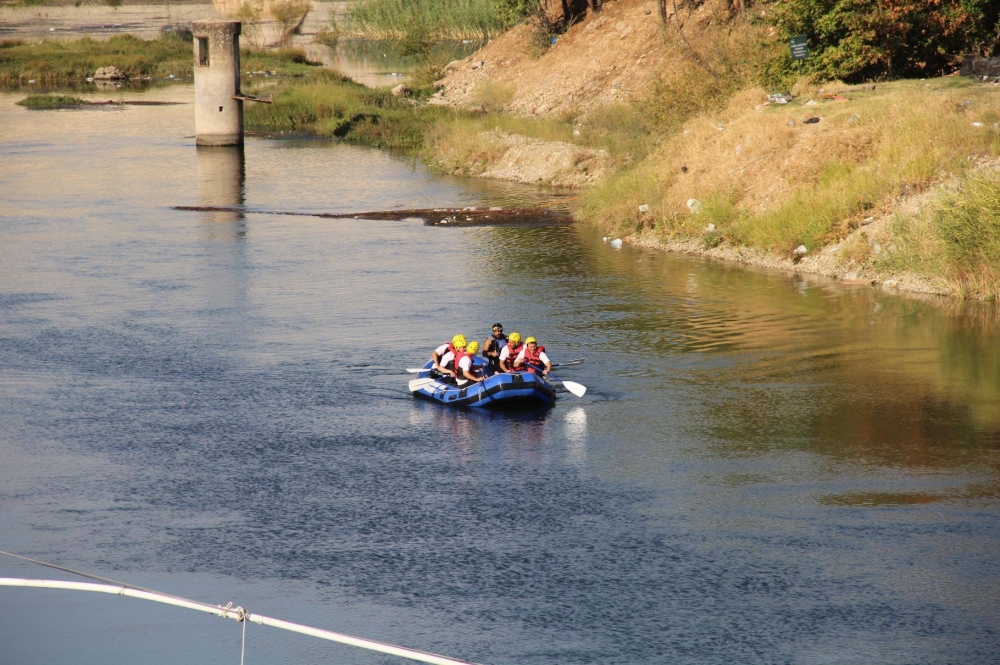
x=426 y=20
x=965 y=231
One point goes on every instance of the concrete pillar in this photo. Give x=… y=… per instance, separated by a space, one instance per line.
x=218 y=118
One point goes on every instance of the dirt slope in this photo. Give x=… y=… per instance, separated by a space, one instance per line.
x=608 y=57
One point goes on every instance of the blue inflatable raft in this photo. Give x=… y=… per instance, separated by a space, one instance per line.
x=522 y=389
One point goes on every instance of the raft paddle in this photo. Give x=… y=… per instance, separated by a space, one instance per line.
x=418 y=384
x=577 y=389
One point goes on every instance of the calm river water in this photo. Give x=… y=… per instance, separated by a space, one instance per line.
x=765 y=469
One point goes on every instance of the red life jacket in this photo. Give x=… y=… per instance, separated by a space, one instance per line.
x=533 y=361
x=459 y=376
x=449 y=364
x=512 y=354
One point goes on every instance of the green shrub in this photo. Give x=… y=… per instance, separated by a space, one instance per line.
x=857 y=40
x=39 y=102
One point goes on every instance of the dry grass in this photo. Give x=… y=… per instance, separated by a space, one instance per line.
x=773 y=182
x=462 y=143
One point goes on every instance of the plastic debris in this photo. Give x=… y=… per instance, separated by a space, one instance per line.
x=694 y=205
x=800 y=251
x=616 y=243
x=644 y=208
x=710 y=228
x=978 y=124
x=853 y=119
x=780 y=98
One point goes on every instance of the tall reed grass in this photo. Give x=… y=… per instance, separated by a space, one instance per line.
x=968 y=223
x=427 y=19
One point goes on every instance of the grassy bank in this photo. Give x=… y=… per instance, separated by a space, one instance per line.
x=328 y=104
x=65 y=62
x=763 y=177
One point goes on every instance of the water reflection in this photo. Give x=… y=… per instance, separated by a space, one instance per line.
x=221 y=173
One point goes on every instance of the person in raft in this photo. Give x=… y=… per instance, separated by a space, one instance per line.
x=444 y=355
x=509 y=352
x=532 y=358
x=493 y=345
x=465 y=369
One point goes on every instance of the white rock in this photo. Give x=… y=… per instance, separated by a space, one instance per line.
x=710 y=228
x=644 y=208
x=800 y=250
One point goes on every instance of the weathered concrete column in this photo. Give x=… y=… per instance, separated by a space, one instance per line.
x=218 y=118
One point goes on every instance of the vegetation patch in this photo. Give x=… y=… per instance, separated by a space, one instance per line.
x=957 y=236
x=329 y=104
x=61 y=62
x=765 y=178
x=50 y=101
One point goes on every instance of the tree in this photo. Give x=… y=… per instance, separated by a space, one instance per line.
x=858 y=40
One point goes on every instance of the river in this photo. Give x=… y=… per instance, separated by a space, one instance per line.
x=766 y=468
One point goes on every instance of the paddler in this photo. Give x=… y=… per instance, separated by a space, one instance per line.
x=444 y=355
x=464 y=365
x=532 y=358
x=493 y=345
x=509 y=352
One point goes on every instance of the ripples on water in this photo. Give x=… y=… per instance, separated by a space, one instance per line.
x=766 y=468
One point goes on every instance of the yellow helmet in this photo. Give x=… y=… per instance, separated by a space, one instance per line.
x=458 y=341
x=473 y=347
x=531 y=340
x=514 y=338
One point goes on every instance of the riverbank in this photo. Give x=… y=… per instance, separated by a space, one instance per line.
x=853 y=182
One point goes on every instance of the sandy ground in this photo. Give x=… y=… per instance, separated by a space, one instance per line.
x=606 y=58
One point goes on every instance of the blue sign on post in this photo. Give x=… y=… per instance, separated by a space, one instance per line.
x=799 y=47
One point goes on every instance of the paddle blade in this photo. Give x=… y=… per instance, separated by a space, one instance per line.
x=577 y=389
x=418 y=384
